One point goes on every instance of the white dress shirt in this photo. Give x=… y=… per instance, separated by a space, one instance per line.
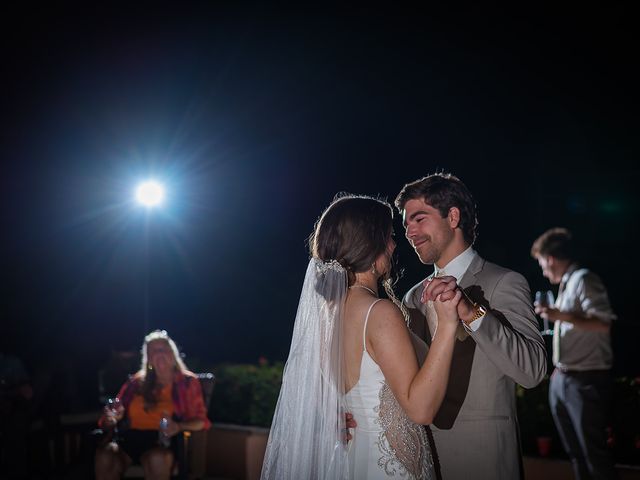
x=457 y=268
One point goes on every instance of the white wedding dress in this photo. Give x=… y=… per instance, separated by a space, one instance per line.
x=386 y=443
x=307 y=438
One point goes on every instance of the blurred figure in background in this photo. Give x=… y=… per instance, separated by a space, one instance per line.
x=163 y=392
x=580 y=387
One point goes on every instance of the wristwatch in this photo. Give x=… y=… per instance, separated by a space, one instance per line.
x=478 y=311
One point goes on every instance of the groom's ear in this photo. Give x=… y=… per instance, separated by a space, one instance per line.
x=454 y=217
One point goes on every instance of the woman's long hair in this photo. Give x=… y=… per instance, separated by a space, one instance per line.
x=149 y=385
x=355 y=230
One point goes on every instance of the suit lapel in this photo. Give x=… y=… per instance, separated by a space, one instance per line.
x=469 y=277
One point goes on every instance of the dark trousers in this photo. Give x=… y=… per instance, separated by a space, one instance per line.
x=579 y=403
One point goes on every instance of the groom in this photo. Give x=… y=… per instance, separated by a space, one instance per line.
x=475 y=431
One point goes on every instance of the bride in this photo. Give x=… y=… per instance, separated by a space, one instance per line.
x=352 y=352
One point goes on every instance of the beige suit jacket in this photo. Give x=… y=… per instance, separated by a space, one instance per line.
x=476 y=430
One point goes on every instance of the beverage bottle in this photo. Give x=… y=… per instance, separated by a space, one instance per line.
x=163 y=438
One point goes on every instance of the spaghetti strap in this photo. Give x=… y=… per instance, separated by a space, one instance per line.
x=364 y=330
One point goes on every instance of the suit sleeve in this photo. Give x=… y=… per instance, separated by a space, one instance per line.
x=509 y=334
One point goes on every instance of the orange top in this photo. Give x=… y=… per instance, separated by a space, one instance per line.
x=141 y=420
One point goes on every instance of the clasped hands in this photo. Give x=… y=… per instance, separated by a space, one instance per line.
x=448 y=298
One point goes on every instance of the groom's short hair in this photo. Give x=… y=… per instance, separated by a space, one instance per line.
x=443 y=191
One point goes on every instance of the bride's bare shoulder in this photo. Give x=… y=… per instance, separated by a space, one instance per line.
x=386 y=314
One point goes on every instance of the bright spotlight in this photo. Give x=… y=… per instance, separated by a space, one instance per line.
x=150 y=194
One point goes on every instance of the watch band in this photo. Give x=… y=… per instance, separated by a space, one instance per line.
x=479 y=311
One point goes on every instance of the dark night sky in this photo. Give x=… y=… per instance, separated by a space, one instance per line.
x=255 y=118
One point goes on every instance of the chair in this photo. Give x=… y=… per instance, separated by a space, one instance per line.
x=192 y=446
x=192 y=449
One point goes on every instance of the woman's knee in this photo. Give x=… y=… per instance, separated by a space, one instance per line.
x=158 y=461
x=108 y=461
x=105 y=456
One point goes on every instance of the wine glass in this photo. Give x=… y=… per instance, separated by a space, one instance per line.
x=550 y=300
x=112 y=410
x=544 y=299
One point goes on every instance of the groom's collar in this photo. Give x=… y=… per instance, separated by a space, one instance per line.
x=459 y=265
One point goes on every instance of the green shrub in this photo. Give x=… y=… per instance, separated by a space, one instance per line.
x=246 y=394
x=534 y=418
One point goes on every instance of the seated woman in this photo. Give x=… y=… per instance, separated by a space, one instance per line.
x=163 y=388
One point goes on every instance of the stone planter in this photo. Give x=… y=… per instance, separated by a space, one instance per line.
x=235 y=452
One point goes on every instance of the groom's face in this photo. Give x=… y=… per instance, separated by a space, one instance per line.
x=427 y=231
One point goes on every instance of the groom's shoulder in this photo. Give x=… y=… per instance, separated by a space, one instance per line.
x=490 y=268
x=497 y=272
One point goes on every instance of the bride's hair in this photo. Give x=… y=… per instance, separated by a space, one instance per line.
x=355 y=230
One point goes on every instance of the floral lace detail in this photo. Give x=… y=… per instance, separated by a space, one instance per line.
x=323 y=267
x=402 y=443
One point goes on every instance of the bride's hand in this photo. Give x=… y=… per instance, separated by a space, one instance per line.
x=435 y=286
x=446 y=306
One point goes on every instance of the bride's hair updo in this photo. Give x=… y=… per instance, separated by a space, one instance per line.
x=354 y=230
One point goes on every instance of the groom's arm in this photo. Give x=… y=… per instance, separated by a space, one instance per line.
x=509 y=334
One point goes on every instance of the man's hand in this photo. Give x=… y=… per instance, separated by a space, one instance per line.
x=435 y=286
x=447 y=310
x=549 y=313
x=466 y=309
x=446 y=287
x=349 y=423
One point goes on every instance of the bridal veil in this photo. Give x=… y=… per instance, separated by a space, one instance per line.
x=307 y=438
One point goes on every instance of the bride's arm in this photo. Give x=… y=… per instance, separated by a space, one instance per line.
x=419 y=391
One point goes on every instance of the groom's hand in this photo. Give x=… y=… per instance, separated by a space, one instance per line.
x=433 y=287
x=349 y=423
x=446 y=287
x=466 y=310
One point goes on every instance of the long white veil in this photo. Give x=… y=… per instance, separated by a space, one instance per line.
x=307 y=434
